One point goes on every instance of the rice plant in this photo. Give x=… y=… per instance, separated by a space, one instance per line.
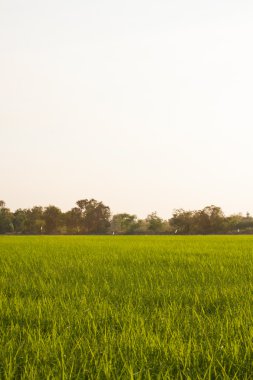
x=117 y=307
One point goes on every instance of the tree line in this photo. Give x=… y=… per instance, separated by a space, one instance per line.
x=90 y=216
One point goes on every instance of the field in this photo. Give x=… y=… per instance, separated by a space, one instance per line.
x=118 y=307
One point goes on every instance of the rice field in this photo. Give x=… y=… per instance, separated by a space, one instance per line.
x=118 y=307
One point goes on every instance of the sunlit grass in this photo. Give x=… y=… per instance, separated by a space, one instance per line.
x=126 y=307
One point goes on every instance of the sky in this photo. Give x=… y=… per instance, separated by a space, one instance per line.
x=144 y=105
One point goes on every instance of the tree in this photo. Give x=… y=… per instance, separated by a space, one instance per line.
x=82 y=203
x=214 y=220
x=239 y=223
x=20 y=221
x=2 y=204
x=155 y=223
x=95 y=216
x=73 y=220
x=35 y=223
x=207 y=221
x=181 y=221
x=124 y=223
x=6 y=219
x=53 y=219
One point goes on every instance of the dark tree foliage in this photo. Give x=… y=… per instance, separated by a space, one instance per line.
x=154 y=223
x=182 y=221
x=74 y=220
x=20 y=221
x=53 y=220
x=210 y=220
x=93 y=217
x=6 y=219
x=124 y=223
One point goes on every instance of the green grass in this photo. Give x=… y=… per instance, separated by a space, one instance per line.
x=126 y=307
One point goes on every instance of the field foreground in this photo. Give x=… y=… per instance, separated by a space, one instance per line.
x=119 y=307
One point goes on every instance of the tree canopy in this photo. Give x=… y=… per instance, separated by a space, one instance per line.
x=90 y=216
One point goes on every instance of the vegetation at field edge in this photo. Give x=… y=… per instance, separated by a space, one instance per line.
x=93 y=217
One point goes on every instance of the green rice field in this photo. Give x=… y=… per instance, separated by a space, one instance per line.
x=126 y=307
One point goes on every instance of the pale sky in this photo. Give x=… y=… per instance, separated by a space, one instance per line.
x=144 y=105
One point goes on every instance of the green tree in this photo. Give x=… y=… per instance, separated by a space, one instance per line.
x=155 y=223
x=35 y=223
x=6 y=219
x=212 y=220
x=207 y=221
x=95 y=216
x=124 y=223
x=20 y=221
x=73 y=220
x=238 y=223
x=53 y=220
x=181 y=221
